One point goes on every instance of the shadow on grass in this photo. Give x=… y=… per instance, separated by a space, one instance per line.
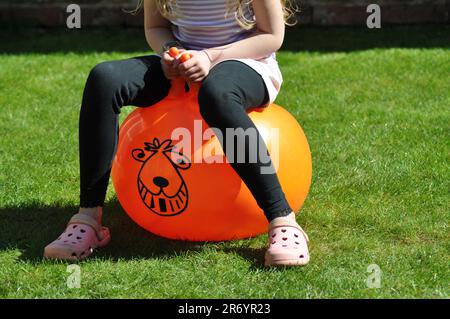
x=30 y=228
x=309 y=39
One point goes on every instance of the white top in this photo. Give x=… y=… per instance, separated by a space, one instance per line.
x=203 y=24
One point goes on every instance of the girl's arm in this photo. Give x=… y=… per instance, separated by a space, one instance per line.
x=158 y=33
x=157 y=28
x=268 y=38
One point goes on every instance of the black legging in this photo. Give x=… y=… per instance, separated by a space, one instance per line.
x=229 y=90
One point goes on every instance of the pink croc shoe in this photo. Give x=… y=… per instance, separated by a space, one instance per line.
x=288 y=245
x=82 y=235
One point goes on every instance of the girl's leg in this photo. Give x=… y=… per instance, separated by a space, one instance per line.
x=110 y=86
x=230 y=89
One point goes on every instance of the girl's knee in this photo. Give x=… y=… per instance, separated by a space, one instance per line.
x=104 y=85
x=215 y=97
x=104 y=75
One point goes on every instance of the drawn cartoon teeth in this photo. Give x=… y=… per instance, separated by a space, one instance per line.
x=161 y=203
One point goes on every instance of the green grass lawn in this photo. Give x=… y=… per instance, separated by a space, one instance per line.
x=375 y=106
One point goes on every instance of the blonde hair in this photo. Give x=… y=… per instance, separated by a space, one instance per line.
x=239 y=8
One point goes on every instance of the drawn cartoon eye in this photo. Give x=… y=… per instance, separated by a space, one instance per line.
x=139 y=155
x=180 y=160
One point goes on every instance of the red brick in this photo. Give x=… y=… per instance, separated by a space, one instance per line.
x=407 y=14
x=339 y=15
x=317 y=12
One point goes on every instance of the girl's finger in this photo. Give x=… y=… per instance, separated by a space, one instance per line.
x=197 y=77
x=187 y=65
x=168 y=59
x=192 y=71
x=175 y=64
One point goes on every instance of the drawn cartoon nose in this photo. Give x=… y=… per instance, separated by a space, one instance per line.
x=160 y=181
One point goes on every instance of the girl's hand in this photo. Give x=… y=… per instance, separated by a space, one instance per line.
x=197 y=68
x=170 y=65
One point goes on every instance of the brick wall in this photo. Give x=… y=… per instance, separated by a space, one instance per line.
x=52 y=13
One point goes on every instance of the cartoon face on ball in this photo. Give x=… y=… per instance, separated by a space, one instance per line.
x=160 y=183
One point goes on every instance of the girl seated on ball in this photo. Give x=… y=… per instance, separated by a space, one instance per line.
x=233 y=45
